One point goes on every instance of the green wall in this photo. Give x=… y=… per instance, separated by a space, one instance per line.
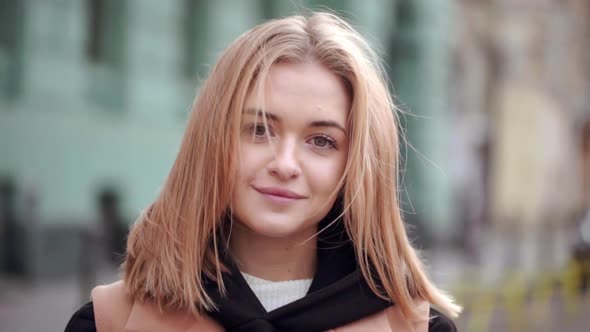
x=80 y=122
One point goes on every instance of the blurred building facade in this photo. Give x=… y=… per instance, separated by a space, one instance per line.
x=94 y=95
x=521 y=78
x=521 y=110
x=97 y=91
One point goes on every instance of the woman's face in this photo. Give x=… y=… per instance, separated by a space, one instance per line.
x=289 y=171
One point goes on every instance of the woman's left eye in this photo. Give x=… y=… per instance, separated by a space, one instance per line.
x=323 y=142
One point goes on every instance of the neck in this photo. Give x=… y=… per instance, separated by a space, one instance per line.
x=274 y=259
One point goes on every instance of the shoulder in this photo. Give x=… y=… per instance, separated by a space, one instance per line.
x=112 y=306
x=440 y=323
x=82 y=320
x=108 y=310
x=115 y=291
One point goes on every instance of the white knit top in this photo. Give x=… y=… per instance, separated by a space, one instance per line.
x=275 y=294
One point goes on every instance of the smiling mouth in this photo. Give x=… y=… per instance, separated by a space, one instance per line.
x=278 y=195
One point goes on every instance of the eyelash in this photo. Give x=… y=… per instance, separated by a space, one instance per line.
x=251 y=129
x=331 y=143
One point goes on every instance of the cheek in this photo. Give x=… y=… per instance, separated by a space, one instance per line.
x=324 y=177
x=251 y=161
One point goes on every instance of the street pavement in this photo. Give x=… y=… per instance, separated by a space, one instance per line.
x=46 y=306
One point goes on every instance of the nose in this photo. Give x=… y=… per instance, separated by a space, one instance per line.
x=285 y=164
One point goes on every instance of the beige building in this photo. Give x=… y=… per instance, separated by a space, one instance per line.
x=522 y=83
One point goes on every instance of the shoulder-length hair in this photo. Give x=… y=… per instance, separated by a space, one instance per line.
x=173 y=247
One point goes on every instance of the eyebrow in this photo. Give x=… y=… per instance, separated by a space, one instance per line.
x=316 y=123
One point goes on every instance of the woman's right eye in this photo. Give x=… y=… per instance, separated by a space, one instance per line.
x=259 y=130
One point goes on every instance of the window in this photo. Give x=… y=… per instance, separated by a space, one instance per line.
x=11 y=47
x=105 y=51
x=195 y=25
x=106 y=31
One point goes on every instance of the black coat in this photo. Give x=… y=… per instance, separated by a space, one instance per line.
x=83 y=321
x=338 y=295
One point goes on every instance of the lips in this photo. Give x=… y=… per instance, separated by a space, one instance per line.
x=278 y=192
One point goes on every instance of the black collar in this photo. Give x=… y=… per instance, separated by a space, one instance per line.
x=338 y=294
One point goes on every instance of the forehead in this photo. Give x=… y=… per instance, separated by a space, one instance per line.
x=305 y=89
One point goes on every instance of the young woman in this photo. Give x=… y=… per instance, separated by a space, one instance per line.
x=281 y=210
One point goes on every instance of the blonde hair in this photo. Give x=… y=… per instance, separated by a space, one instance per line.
x=173 y=247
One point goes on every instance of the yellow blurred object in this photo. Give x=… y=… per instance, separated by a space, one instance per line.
x=528 y=301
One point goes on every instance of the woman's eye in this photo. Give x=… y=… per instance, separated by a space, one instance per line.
x=259 y=130
x=323 y=142
x=320 y=141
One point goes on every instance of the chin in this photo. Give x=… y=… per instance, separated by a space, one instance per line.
x=278 y=227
